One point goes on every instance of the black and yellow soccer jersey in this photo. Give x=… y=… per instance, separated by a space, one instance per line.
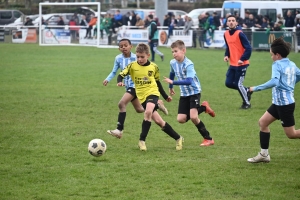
x=144 y=78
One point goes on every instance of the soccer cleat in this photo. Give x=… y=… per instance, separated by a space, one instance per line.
x=116 y=133
x=245 y=106
x=162 y=57
x=249 y=95
x=162 y=107
x=142 y=145
x=259 y=158
x=207 y=142
x=179 y=143
x=208 y=109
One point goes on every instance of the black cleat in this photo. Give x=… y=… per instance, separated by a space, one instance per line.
x=162 y=57
x=245 y=106
x=249 y=94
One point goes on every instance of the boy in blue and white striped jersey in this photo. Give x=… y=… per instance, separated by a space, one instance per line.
x=190 y=91
x=285 y=74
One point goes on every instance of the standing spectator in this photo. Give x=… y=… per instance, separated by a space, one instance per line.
x=166 y=21
x=279 y=18
x=224 y=27
x=157 y=21
x=298 y=28
x=105 y=25
x=73 y=30
x=60 y=22
x=92 y=22
x=133 y=19
x=249 y=22
x=84 y=24
x=153 y=39
x=76 y=18
x=118 y=19
x=28 y=22
x=190 y=91
x=139 y=22
x=238 y=52
x=180 y=21
x=239 y=20
x=173 y=23
x=202 y=26
x=187 y=27
x=126 y=19
x=289 y=20
x=278 y=26
x=246 y=20
x=285 y=75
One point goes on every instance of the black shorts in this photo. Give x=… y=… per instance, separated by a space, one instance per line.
x=187 y=103
x=152 y=99
x=132 y=92
x=283 y=113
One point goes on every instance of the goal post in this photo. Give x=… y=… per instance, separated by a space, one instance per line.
x=57 y=35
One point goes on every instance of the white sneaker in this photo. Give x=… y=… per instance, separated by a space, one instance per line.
x=162 y=107
x=259 y=158
x=116 y=133
x=142 y=145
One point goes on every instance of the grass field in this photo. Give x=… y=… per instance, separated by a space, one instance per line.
x=53 y=103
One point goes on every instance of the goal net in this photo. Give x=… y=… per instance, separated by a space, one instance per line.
x=71 y=24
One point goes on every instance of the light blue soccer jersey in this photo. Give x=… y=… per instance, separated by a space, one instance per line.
x=287 y=74
x=120 y=63
x=185 y=70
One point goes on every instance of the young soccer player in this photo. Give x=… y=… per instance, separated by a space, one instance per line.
x=285 y=74
x=190 y=91
x=121 y=61
x=145 y=75
x=238 y=52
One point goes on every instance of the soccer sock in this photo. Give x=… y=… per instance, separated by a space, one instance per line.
x=201 y=109
x=121 y=120
x=264 y=138
x=201 y=128
x=170 y=131
x=145 y=129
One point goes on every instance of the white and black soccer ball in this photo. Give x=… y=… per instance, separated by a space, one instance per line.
x=97 y=147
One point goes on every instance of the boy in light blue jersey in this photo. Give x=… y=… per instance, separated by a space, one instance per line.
x=190 y=91
x=285 y=74
x=121 y=61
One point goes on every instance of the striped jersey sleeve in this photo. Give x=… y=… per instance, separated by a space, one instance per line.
x=120 y=63
x=184 y=70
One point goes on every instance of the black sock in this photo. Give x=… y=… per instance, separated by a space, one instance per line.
x=264 y=138
x=170 y=131
x=201 y=109
x=145 y=129
x=121 y=120
x=201 y=128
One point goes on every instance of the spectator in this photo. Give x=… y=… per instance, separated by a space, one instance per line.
x=60 y=22
x=298 y=28
x=172 y=25
x=239 y=20
x=157 y=21
x=289 y=19
x=249 y=22
x=246 y=19
x=84 y=22
x=180 y=21
x=202 y=26
x=153 y=39
x=139 y=22
x=125 y=19
x=28 y=22
x=44 y=22
x=105 y=25
x=92 y=22
x=133 y=19
x=279 y=18
x=166 y=21
x=73 y=30
x=224 y=27
x=118 y=19
x=76 y=18
x=279 y=26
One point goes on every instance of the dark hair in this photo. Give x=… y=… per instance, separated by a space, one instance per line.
x=125 y=39
x=281 y=47
x=232 y=16
x=150 y=16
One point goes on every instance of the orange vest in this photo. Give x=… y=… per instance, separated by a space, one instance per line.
x=236 y=48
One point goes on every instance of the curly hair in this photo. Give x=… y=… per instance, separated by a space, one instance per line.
x=281 y=47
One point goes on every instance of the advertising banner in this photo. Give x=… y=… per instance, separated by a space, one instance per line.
x=164 y=40
x=135 y=35
x=57 y=36
x=263 y=40
x=215 y=40
x=24 y=36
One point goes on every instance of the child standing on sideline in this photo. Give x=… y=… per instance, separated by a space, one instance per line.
x=121 y=61
x=285 y=74
x=145 y=75
x=190 y=91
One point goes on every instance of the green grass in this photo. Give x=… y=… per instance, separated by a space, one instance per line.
x=52 y=103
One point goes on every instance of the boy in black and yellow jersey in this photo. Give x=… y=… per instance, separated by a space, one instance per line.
x=145 y=76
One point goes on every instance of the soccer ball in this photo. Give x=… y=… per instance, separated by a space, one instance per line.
x=97 y=147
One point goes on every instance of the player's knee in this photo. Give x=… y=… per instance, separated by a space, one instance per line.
x=181 y=120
